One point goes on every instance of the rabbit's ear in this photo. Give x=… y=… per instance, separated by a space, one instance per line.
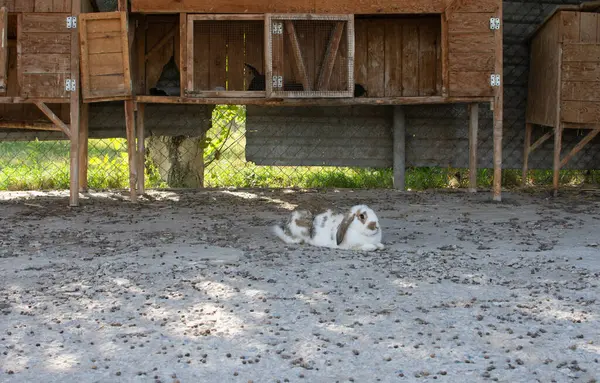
x=341 y=231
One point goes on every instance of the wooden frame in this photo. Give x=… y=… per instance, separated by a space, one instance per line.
x=3 y=48
x=272 y=42
x=189 y=89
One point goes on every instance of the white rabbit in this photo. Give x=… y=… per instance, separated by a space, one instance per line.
x=356 y=230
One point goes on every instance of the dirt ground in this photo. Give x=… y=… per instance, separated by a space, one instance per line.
x=192 y=287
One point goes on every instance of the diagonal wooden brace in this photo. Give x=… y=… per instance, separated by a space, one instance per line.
x=330 y=56
x=298 y=59
x=590 y=136
x=54 y=118
x=161 y=43
x=540 y=141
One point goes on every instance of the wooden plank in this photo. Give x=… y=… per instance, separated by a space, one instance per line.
x=43 y=5
x=393 y=58
x=141 y=149
x=581 y=71
x=445 y=48
x=131 y=148
x=399 y=162
x=588 y=27
x=201 y=60
x=110 y=85
x=375 y=59
x=24 y=5
x=61 y=5
x=47 y=63
x=570 y=26
x=126 y=51
x=475 y=84
x=460 y=22
x=3 y=49
x=183 y=53
x=410 y=59
x=255 y=48
x=37 y=85
x=235 y=55
x=48 y=23
x=428 y=37
x=580 y=91
x=361 y=47
x=498 y=105
x=56 y=43
x=471 y=62
x=473 y=6
x=526 y=153
x=83 y=147
x=581 y=52
x=583 y=112
x=275 y=58
x=298 y=59
x=469 y=43
x=330 y=56
x=106 y=64
x=29 y=125
x=473 y=130
x=217 y=53
x=109 y=22
x=290 y=6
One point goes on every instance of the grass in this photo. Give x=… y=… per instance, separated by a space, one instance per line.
x=43 y=165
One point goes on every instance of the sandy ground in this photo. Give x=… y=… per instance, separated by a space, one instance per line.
x=191 y=287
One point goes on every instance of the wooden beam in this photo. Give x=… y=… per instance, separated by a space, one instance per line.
x=161 y=43
x=526 y=152
x=189 y=42
x=183 y=46
x=75 y=165
x=333 y=46
x=122 y=6
x=141 y=55
x=141 y=149
x=557 y=126
x=473 y=130
x=589 y=137
x=498 y=112
x=540 y=141
x=399 y=148
x=130 y=133
x=298 y=59
x=83 y=147
x=29 y=125
x=54 y=118
x=3 y=48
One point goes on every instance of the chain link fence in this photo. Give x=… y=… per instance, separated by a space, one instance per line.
x=204 y=146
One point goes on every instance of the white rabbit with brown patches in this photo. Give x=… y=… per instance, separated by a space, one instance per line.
x=358 y=229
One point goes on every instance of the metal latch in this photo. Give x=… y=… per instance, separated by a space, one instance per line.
x=494 y=23
x=495 y=80
x=71 y=22
x=70 y=85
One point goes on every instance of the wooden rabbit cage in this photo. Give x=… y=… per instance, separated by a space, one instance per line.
x=39 y=71
x=564 y=81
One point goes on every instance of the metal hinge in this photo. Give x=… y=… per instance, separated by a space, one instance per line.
x=70 y=85
x=277 y=82
x=72 y=22
x=494 y=23
x=495 y=80
x=277 y=28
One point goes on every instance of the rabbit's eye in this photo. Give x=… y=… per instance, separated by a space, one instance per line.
x=362 y=217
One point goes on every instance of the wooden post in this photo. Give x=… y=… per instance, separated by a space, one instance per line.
x=83 y=147
x=498 y=112
x=557 y=150
x=130 y=133
x=141 y=149
x=473 y=129
x=526 y=151
x=75 y=117
x=399 y=127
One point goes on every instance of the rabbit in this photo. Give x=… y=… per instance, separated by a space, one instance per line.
x=358 y=229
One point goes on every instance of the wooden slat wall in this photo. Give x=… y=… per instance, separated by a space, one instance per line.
x=397 y=57
x=291 y=6
x=471 y=56
x=580 y=85
x=37 y=5
x=543 y=76
x=105 y=66
x=217 y=43
x=44 y=55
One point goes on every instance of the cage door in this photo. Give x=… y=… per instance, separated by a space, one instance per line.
x=44 y=55
x=310 y=55
x=105 y=63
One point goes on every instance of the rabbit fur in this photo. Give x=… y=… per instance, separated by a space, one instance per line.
x=358 y=229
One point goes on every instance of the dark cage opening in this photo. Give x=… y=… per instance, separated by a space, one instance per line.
x=310 y=56
x=225 y=55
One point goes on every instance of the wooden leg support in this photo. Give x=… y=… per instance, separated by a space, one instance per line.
x=473 y=128
x=557 y=149
x=399 y=148
x=83 y=148
x=527 y=147
x=141 y=149
x=130 y=132
x=497 y=185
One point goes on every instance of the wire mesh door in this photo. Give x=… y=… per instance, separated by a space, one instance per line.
x=310 y=56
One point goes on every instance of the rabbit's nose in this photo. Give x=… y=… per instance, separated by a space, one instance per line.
x=372 y=226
